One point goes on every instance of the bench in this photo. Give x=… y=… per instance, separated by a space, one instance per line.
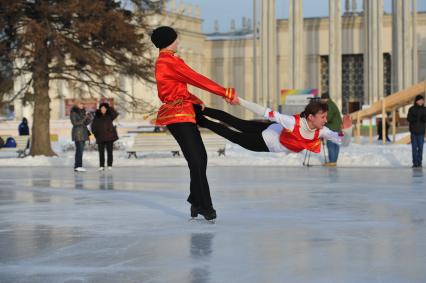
x=147 y=129
x=21 y=145
x=153 y=142
x=158 y=142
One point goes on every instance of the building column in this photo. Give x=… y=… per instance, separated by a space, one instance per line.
x=255 y=36
x=347 y=6
x=268 y=50
x=373 y=51
x=335 y=51
x=296 y=55
x=407 y=44
x=397 y=59
x=403 y=44
x=415 y=78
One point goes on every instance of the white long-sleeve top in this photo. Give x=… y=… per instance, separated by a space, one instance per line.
x=271 y=135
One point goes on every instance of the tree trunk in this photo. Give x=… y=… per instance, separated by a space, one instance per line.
x=40 y=139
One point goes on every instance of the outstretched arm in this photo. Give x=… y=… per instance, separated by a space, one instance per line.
x=185 y=74
x=285 y=120
x=344 y=138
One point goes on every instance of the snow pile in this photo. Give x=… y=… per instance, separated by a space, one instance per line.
x=356 y=155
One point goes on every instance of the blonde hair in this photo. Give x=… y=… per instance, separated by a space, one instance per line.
x=77 y=101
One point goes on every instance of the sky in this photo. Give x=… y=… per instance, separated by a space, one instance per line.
x=226 y=10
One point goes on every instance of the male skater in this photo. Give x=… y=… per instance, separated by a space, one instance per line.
x=177 y=113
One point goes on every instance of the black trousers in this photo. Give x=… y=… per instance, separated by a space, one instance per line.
x=79 y=148
x=248 y=134
x=101 y=148
x=189 y=139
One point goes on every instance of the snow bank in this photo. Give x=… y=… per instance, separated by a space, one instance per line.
x=356 y=155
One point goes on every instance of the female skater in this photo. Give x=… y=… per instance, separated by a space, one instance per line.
x=281 y=133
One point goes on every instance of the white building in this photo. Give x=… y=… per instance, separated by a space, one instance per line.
x=356 y=63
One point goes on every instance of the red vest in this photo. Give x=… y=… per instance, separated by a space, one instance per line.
x=294 y=141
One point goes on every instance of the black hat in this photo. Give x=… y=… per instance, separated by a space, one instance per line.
x=163 y=36
x=419 y=97
x=104 y=104
x=325 y=95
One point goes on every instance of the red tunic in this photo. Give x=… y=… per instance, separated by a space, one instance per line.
x=294 y=141
x=173 y=75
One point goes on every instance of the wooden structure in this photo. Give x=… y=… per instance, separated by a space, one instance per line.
x=387 y=104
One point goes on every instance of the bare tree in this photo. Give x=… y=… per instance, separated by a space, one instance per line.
x=82 y=42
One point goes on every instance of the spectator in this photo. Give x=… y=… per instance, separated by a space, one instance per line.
x=380 y=127
x=23 y=128
x=80 y=134
x=105 y=133
x=334 y=123
x=416 y=118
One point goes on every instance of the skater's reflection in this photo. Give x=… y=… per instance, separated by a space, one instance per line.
x=201 y=249
x=79 y=181
x=40 y=197
x=106 y=181
x=41 y=180
x=417 y=173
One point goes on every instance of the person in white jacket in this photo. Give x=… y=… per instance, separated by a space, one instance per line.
x=282 y=133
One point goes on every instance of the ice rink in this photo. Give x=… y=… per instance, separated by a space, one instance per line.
x=275 y=224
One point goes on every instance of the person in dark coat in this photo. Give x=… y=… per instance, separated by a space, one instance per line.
x=417 y=118
x=23 y=128
x=80 y=134
x=105 y=133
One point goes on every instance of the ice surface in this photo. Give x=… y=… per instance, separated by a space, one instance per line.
x=274 y=224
